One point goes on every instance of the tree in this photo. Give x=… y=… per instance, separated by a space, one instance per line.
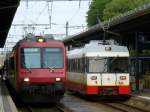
x=96 y=11
x=116 y=7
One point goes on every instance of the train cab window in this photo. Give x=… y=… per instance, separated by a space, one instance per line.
x=97 y=65
x=118 y=64
x=30 y=58
x=53 y=58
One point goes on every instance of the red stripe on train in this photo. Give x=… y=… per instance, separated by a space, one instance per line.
x=96 y=90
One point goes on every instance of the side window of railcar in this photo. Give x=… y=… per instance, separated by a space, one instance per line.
x=12 y=64
x=82 y=65
x=74 y=65
x=73 y=68
x=79 y=64
x=71 y=65
x=87 y=64
x=79 y=68
x=68 y=65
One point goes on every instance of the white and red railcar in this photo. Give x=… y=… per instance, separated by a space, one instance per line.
x=98 y=69
x=36 y=69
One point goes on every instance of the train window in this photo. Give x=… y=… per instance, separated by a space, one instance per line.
x=53 y=58
x=30 y=58
x=79 y=68
x=68 y=65
x=73 y=65
x=76 y=65
x=12 y=64
x=97 y=64
x=110 y=65
x=118 y=64
x=82 y=65
x=86 y=64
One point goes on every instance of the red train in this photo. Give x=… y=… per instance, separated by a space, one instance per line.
x=36 y=69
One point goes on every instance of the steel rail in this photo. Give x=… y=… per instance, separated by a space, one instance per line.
x=114 y=106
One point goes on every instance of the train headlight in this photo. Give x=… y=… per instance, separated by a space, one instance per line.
x=93 y=77
x=40 y=39
x=58 y=79
x=123 y=78
x=107 y=48
x=26 y=79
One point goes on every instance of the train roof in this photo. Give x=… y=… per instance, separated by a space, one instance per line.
x=98 y=49
x=33 y=41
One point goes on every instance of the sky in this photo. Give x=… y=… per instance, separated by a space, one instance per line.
x=35 y=13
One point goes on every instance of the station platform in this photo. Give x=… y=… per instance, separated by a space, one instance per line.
x=6 y=102
x=140 y=100
x=145 y=94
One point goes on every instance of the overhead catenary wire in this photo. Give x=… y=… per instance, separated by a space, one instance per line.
x=37 y=18
x=35 y=22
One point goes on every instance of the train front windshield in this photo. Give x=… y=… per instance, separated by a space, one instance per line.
x=52 y=58
x=42 y=58
x=108 y=65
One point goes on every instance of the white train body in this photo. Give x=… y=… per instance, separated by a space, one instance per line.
x=98 y=69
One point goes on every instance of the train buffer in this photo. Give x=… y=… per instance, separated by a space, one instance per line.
x=6 y=102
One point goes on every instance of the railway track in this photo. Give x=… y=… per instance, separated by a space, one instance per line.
x=123 y=107
x=56 y=108
x=100 y=105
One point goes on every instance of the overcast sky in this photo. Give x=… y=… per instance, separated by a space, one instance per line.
x=37 y=13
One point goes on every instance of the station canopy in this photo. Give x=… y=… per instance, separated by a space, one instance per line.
x=7 y=11
x=137 y=20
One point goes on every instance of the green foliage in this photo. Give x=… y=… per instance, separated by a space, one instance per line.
x=105 y=9
x=144 y=53
x=96 y=11
x=116 y=7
